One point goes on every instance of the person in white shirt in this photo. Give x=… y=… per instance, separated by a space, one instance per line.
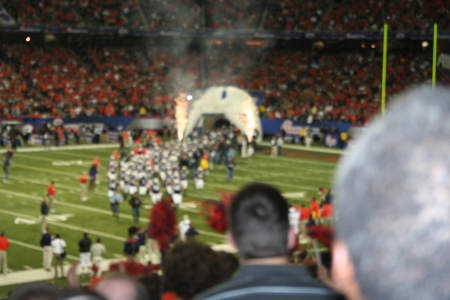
x=58 y=246
x=244 y=147
x=250 y=153
x=183 y=227
x=308 y=137
x=274 y=149
x=294 y=218
x=98 y=250
x=280 y=143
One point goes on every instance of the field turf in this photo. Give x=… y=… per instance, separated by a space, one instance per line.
x=298 y=174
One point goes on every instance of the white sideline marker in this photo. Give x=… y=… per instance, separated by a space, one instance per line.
x=294 y=195
x=18 y=221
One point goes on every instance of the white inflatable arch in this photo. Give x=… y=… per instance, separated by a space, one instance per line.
x=233 y=103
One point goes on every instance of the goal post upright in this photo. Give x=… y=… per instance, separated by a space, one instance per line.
x=383 y=75
x=435 y=38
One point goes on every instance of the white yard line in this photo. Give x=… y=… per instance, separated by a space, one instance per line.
x=67 y=226
x=97 y=210
x=29 y=246
x=306 y=149
x=63 y=148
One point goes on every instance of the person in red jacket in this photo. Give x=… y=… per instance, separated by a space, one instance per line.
x=314 y=208
x=4 y=245
x=304 y=217
x=51 y=193
x=327 y=214
x=83 y=182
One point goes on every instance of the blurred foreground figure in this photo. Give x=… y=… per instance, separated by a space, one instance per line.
x=121 y=287
x=259 y=228
x=393 y=204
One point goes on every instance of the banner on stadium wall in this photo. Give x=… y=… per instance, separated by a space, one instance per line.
x=228 y=33
x=332 y=140
x=112 y=136
x=118 y=122
x=6 y=140
x=36 y=139
x=148 y=123
x=89 y=138
x=291 y=127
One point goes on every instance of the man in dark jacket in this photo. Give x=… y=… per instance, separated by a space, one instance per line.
x=85 y=253
x=131 y=246
x=259 y=228
x=46 y=244
x=44 y=214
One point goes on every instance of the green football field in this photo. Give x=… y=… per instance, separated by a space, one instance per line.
x=298 y=174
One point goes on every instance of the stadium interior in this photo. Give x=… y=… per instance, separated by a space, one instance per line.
x=106 y=64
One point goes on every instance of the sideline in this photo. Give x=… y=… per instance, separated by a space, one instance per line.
x=62 y=148
x=304 y=148
x=117 y=145
x=92 y=209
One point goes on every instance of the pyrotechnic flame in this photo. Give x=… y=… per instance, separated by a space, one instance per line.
x=248 y=118
x=181 y=114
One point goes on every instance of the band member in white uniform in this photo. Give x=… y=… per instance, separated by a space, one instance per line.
x=156 y=191
x=177 y=197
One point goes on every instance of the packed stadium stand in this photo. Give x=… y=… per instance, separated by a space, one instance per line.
x=119 y=80
x=229 y=14
x=284 y=15
x=110 y=81
x=171 y=14
x=290 y=15
x=416 y=16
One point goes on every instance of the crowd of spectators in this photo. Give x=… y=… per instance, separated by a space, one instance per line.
x=108 y=81
x=284 y=15
x=229 y=14
x=343 y=87
x=32 y=12
x=291 y=15
x=414 y=15
x=171 y=14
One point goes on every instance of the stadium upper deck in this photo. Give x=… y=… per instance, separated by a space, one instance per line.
x=278 y=15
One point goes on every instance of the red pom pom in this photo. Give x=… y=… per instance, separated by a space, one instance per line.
x=217 y=212
x=323 y=234
x=94 y=267
x=163 y=223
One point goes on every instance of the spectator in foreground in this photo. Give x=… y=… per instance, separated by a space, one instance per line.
x=190 y=268
x=121 y=287
x=394 y=244
x=36 y=290
x=259 y=228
